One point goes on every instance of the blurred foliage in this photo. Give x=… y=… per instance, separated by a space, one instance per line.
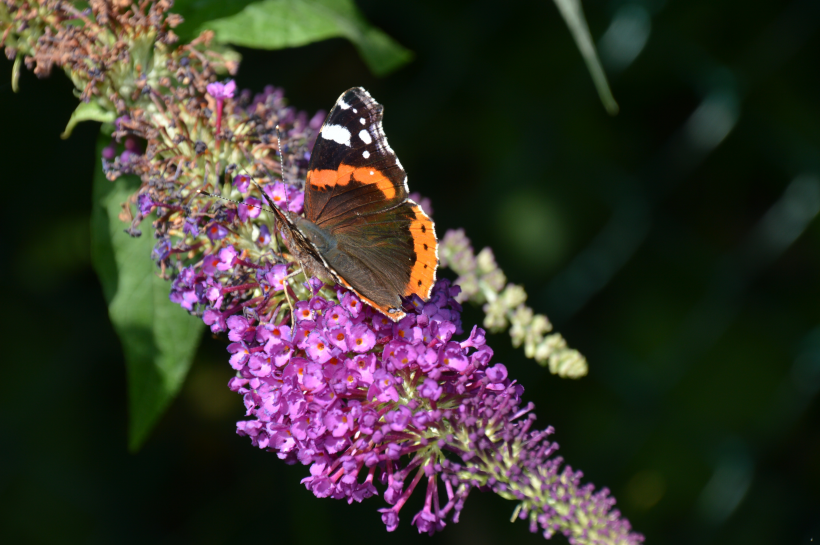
x=675 y=245
x=159 y=339
x=573 y=14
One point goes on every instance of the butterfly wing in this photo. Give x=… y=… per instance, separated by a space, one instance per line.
x=356 y=191
x=305 y=252
x=352 y=169
x=386 y=256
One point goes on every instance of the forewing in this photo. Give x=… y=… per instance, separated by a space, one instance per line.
x=352 y=170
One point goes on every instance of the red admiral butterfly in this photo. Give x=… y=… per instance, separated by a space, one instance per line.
x=360 y=228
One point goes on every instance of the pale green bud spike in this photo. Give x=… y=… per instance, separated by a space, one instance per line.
x=482 y=282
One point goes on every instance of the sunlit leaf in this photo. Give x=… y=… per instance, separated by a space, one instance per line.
x=198 y=12
x=276 y=24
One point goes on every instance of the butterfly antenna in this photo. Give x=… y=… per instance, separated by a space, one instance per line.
x=201 y=192
x=278 y=214
x=281 y=155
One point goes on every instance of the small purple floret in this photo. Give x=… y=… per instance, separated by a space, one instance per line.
x=216 y=231
x=249 y=209
x=145 y=204
x=190 y=227
x=222 y=91
x=242 y=182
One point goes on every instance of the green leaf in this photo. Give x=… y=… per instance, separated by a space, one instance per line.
x=276 y=24
x=88 y=111
x=158 y=337
x=198 y=12
x=573 y=15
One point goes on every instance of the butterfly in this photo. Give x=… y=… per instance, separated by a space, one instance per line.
x=360 y=229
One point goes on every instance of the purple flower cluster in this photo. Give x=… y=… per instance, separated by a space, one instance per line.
x=365 y=401
x=500 y=452
x=350 y=393
x=372 y=406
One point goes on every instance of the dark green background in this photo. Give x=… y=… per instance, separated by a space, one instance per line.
x=684 y=267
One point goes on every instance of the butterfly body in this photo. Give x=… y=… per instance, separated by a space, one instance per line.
x=323 y=240
x=360 y=228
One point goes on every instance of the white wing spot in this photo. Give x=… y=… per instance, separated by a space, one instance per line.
x=366 y=155
x=355 y=111
x=344 y=105
x=371 y=172
x=364 y=135
x=361 y=120
x=337 y=133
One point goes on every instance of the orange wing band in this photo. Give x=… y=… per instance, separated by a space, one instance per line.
x=322 y=179
x=423 y=273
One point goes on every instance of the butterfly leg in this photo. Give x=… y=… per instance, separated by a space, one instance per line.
x=285 y=286
x=286 y=282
